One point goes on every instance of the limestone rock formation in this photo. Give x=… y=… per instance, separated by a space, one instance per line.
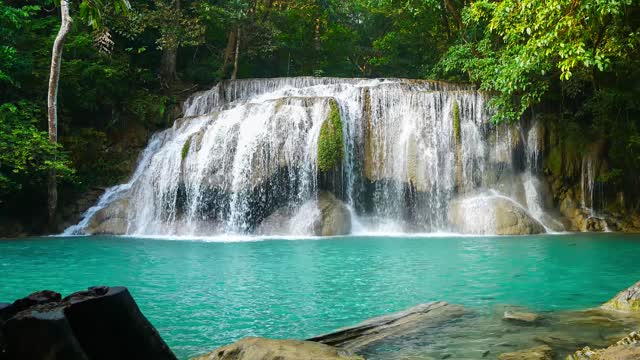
x=99 y=323
x=542 y=352
x=492 y=214
x=627 y=300
x=253 y=348
x=324 y=216
x=111 y=219
x=626 y=349
x=369 y=331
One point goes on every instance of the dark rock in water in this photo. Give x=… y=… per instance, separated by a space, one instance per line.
x=253 y=348
x=37 y=298
x=99 y=323
x=42 y=332
x=106 y=316
x=404 y=322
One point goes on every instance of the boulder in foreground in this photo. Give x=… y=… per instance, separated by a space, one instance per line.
x=627 y=300
x=253 y=348
x=369 y=331
x=98 y=323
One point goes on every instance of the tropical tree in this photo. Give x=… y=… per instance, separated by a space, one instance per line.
x=91 y=12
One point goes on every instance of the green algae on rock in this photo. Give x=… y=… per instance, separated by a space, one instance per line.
x=456 y=121
x=627 y=300
x=185 y=148
x=330 y=142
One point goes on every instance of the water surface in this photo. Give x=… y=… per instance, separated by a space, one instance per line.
x=201 y=295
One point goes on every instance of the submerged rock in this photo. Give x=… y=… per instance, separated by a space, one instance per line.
x=542 y=352
x=521 y=317
x=627 y=300
x=492 y=214
x=626 y=349
x=99 y=323
x=254 y=348
x=403 y=322
x=324 y=216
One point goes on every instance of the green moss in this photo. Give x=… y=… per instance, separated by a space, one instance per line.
x=554 y=161
x=631 y=305
x=185 y=148
x=330 y=142
x=456 y=121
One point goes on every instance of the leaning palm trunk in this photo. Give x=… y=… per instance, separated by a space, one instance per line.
x=52 y=100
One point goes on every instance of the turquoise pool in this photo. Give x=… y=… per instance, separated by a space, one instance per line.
x=204 y=294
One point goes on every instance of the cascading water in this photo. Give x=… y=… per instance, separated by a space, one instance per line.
x=116 y=192
x=247 y=152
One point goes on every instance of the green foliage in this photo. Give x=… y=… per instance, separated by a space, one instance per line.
x=519 y=47
x=578 y=61
x=330 y=142
x=26 y=155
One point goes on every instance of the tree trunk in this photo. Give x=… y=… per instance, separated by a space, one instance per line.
x=169 y=60
x=52 y=100
x=228 y=54
x=234 y=75
x=455 y=12
x=168 y=65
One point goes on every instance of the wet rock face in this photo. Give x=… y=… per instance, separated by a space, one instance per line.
x=325 y=216
x=99 y=323
x=111 y=219
x=253 y=348
x=626 y=349
x=37 y=298
x=488 y=214
x=627 y=300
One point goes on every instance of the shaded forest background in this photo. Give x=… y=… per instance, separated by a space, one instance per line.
x=575 y=61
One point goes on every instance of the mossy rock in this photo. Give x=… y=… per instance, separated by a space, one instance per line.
x=627 y=300
x=330 y=142
x=554 y=161
x=456 y=122
x=185 y=148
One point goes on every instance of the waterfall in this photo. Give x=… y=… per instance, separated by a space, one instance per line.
x=116 y=192
x=587 y=183
x=247 y=150
x=533 y=146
